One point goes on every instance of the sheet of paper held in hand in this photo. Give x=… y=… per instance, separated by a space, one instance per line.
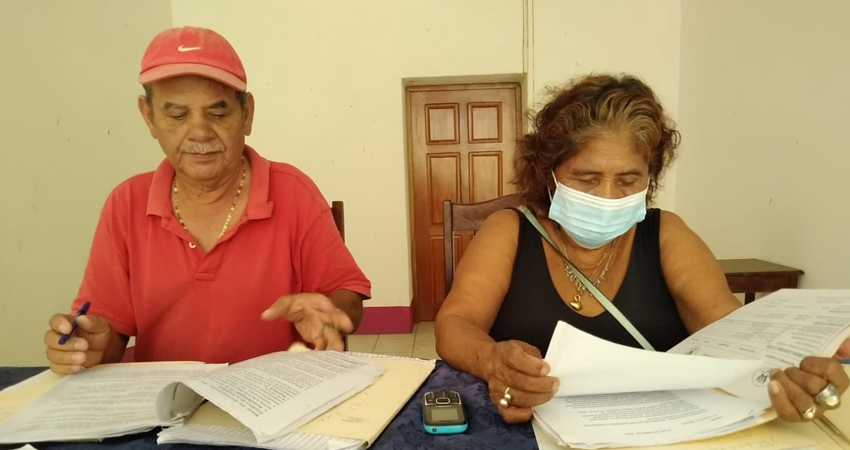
x=614 y=396
x=780 y=330
x=105 y=401
x=656 y=415
x=588 y=365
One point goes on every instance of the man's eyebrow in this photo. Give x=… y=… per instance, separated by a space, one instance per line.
x=169 y=105
x=221 y=104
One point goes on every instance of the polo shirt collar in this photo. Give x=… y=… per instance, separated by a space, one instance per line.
x=259 y=205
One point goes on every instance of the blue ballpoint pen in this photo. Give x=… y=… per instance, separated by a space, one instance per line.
x=82 y=311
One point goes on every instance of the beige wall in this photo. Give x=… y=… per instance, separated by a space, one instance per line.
x=765 y=160
x=327 y=76
x=759 y=88
x=573 y=38
x=70 y=132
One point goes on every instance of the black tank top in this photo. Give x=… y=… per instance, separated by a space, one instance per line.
x=532 y=307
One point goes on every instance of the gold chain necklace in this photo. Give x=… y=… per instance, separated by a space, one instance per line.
x=232 y=206
x=575 y=303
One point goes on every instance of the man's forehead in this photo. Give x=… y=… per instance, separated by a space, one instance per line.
x=170 y=95
x=215 y=104
x=192 y=86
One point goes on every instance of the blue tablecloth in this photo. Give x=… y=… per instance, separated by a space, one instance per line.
x=486 y=430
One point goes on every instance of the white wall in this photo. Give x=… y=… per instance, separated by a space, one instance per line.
x=573 y=38
x=764 y=167
x=70 y=132
x=327 y=76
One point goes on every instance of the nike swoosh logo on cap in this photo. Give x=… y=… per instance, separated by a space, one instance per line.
x=187 y=49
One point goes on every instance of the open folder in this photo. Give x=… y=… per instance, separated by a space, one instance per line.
x=274 y=397
x=353 y=424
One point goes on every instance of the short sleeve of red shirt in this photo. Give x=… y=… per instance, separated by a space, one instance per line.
x=106 y=282
x=150 y=279
x=321 y=258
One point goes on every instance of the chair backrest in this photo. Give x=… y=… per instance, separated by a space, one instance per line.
x=338 y=211
x=467 y=217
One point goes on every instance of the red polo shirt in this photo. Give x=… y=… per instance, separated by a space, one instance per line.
x=150 y=279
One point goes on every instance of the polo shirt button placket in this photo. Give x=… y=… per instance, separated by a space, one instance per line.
x=192 y=245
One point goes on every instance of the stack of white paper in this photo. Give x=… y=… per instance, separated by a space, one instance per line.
x=106 y=401
x=772 y=436
x=617 y=396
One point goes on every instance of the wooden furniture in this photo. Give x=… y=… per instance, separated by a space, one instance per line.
x=338 y=211
x=461 y=141
x=467 y=217
x=749 y=276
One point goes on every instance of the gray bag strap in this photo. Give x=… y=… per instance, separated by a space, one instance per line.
x=588 y=284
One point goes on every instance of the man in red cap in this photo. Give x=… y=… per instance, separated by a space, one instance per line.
x=219 y=255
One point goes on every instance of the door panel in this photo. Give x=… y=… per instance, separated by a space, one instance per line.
x=461 y=144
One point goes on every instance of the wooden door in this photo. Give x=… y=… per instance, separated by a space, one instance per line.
x=461 y=144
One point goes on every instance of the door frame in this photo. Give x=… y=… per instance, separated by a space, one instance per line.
x=518 y=87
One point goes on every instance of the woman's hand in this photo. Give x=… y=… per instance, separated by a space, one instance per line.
x=793 y=391
x=520 y=367
x=843 y=352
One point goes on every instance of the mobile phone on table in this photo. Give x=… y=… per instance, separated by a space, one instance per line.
x=442 y=412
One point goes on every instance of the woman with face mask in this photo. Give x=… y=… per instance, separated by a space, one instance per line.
x=586 y=174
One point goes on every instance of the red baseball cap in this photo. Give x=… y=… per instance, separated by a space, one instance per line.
x=192 y=51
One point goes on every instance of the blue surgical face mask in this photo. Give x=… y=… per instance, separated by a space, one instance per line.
x=593 y=221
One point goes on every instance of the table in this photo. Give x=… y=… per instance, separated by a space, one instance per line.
x=486 y=430
x=749 y=276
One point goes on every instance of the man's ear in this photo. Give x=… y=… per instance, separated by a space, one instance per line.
x=147 y=114
x=248 y=112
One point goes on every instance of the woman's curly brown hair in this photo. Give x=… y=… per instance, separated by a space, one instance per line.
x=583 y=110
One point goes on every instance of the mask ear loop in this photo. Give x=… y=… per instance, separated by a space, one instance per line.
x=551 y=198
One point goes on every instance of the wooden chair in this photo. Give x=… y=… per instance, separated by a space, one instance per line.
x=468 y=217
x=338 y=211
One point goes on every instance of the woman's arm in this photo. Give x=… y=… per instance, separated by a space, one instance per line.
x=463 y=323
x=693 y=275
x=702 y=296
x=481 y=282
